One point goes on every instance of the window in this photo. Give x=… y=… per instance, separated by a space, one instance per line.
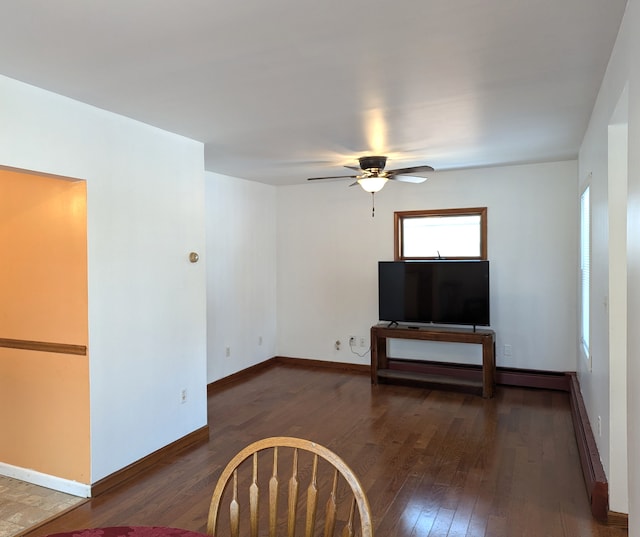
x=585 y=266
x=444 y=233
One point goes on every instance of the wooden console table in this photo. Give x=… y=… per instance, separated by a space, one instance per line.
x=394 y=370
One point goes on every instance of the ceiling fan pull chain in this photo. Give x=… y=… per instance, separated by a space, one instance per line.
x=373 y=205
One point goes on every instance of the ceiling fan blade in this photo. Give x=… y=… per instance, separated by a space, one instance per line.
x=407 y=179
x=333 y=177
x=410 y=171
x=353 y=168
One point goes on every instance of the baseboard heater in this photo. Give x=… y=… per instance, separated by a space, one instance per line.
x=592 y=469
x=504 y=376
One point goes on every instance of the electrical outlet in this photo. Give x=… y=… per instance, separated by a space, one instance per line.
x=352 y=341
x=183 y=395
x=507 y=350
x=599 y=426
x=259 y=340
x=227 y=352
x=363 y=342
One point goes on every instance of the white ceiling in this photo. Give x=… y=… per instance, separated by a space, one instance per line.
x=280 y=90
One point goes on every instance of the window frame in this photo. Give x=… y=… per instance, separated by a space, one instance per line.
x=400 y=216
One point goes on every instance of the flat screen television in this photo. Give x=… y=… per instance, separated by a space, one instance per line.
x=438 y=292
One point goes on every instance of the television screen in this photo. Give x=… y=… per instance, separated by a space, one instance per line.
x=440 y=292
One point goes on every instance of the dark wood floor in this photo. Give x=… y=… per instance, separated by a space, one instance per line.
x=433 y=463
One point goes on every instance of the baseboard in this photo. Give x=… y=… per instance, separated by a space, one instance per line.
x=342 y=366
x=99 y=487
x=594 y=477
x=244 y=374
x=45 y=480
x=126 y=473
x=239 y=376
x=526 y=378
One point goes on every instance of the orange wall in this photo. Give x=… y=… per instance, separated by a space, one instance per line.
x=43 y=276
x=44 y=397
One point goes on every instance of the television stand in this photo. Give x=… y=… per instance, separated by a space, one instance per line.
x=386 y=369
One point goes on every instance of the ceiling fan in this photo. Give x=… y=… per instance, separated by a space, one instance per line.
x=373 y=176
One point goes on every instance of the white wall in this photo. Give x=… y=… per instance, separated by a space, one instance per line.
x=329 y=246
x=604 y=387
x=631 y=29
x=241 y=274
x=147 y=324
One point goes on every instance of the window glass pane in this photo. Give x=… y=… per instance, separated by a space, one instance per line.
x=441 y=236
x=585 y=266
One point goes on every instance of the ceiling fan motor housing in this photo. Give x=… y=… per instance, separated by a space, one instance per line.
x=368 y=163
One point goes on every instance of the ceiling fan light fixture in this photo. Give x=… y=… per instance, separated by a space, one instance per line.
x=372 y=184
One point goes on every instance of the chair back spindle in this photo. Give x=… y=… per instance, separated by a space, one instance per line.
x=317 y=477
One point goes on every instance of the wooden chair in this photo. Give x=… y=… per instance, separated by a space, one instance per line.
x=328 y=480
